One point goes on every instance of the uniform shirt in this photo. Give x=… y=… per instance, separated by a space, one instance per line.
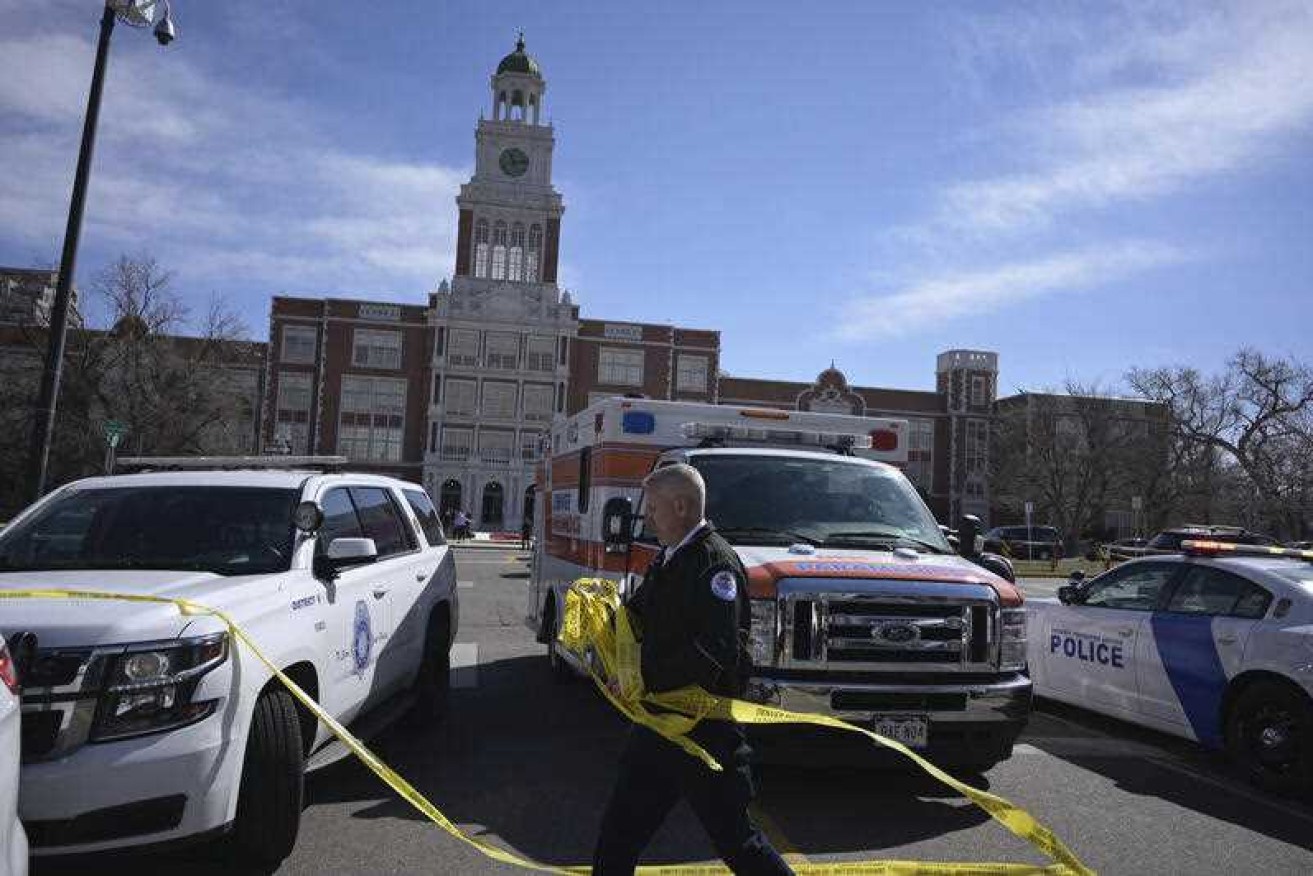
x=692 y=614
x=693 y=533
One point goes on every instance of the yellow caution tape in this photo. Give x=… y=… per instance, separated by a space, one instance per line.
x=587 y=623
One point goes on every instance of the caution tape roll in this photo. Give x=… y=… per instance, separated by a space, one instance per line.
x=589 y=624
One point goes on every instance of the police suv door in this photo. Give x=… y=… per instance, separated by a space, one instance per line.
x=1090 y=651
x=1197 y=644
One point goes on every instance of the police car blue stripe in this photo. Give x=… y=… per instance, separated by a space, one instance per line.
x=1190 y=658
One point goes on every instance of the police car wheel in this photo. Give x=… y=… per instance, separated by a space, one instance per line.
x=273 y=783
x=433 y=681
x=1270 y=736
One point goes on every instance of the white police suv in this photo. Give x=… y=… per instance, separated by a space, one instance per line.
x=1214 y=644
x=142 y=725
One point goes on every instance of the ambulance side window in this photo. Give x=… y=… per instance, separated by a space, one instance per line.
x=585 y=478
x=1136 y=588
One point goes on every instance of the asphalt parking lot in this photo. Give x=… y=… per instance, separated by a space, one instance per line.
x=527 y=764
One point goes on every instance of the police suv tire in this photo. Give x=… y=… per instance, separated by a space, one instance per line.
x=273 y=783
x=432 y=687
x=1272 y=704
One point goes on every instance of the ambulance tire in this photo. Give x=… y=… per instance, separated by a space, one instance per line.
x=561 y=671
x=273 y=784
x=432 y=687
x=1269 y=734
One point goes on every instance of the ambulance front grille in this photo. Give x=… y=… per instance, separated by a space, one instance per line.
x=874 y=631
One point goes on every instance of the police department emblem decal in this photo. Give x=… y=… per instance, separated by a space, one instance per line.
x=724 y=586
x=362 y=640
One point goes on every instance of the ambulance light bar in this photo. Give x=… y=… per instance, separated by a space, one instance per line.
x=1195 y=548
x=763 y=434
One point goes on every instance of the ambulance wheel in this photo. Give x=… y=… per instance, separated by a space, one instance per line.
x=1269 y=733
x=273 y=783
x=561 y=671
x=432 y=687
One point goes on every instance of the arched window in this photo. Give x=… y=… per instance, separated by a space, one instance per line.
x=517 y=106
x=499 y=251
x=517 y=253
x=499 y=112
x=535 y=251
x=481 y=248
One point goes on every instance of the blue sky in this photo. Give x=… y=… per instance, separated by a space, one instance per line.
x=1080 y=187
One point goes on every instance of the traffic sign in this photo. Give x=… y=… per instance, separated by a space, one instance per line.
x=114 y=432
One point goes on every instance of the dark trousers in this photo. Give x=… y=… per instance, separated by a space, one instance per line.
x=654 y=775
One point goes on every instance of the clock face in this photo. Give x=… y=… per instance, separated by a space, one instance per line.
x=513 y=162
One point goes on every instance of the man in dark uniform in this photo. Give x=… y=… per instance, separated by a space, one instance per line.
x=691 y=614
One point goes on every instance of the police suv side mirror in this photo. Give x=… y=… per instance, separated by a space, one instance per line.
x=617 y=524
x=968 y=536
x=344 y=553
x=1070 y=594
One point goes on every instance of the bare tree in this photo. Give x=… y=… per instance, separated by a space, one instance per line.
x=1259 y=414
x=179 y=386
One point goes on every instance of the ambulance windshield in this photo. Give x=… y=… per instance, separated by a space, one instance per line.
x=782 y=500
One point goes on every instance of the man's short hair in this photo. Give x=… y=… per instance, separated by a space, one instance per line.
x=680 y=481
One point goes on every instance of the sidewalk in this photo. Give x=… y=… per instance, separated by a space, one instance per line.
x=487 y=541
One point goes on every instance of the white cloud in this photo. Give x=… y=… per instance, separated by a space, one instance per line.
x=227 y=184
x=1211 y=95
x=934 y=300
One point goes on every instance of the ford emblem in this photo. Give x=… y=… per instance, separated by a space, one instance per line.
x=897 y=634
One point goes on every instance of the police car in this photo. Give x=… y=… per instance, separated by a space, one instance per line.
x=13 y=840
x=1214 y=644
x=142 y=725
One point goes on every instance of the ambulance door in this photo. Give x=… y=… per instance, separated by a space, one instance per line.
x=642 y=551
x=1090 y=655
x=1198 y=643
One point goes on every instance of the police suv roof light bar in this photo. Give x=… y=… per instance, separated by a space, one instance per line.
x=195 y=463
x=1199 y=548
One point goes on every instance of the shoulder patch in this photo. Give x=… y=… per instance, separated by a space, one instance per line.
x=724 y=585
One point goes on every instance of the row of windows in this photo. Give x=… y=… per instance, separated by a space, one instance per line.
x=487 y=445
x=508 y=253
x=623 y=366
x=370 y=348
x=461 y=397
x=500 y=350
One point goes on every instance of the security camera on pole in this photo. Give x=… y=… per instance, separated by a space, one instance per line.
x=135 y=13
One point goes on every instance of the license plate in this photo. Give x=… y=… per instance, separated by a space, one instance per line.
x=911 y=730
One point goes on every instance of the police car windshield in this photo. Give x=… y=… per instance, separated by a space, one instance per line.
x=780 y=500
x=225 y=530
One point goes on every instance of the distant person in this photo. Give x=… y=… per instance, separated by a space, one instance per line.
x=526 y=533
x=461 y=525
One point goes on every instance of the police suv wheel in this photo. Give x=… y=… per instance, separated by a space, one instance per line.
x=1269 y=733
x=273 y=783
x=432 y=687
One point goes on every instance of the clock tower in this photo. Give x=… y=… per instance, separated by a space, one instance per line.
x=502 y=329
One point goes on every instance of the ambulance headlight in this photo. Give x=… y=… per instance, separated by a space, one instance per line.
x=764 y=632
x=1012 y=639
x=150 y=687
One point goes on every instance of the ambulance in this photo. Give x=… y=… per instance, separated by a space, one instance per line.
x=861 y=609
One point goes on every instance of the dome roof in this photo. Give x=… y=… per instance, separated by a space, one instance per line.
x=519 y=61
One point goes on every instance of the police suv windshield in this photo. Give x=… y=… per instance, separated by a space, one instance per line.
x=784 y=500
x=225 y=530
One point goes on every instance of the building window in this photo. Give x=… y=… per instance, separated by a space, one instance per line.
x=460 y=396
x=538 y=402
x=534 y=256
x=503 y=351
x=499 y=251
x=542 y=353
x=498 y=399
x=373 y=418
x=619 y=367
x=495 y=445
x=530 y=446
x=691 y=374
x=294 y=394
x=375 y=349
x=978 y=396
x=481 y=248
x=516 y=272
x=456 y=444
x=299 y=343
x=463 y=347
x=921 y=454
x=977 y=448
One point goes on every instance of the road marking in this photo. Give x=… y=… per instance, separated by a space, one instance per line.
x=464 y=585
x=788 y=851
x=465 y=665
